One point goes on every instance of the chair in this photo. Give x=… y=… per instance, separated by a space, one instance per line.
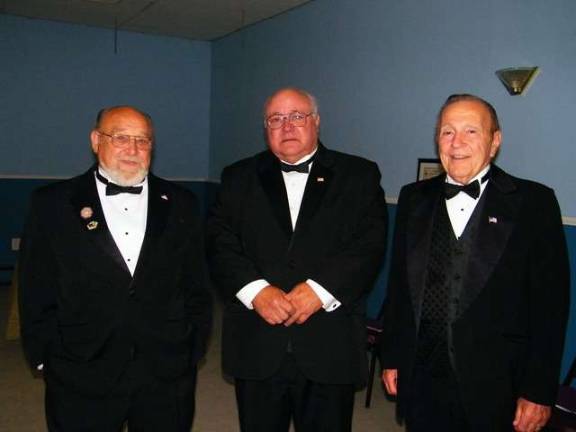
x=12 y=331
x=373 y=333
x=563 y=418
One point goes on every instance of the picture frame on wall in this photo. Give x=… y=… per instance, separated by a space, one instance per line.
x=428 y=168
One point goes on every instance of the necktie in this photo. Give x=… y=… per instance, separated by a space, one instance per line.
x=301 y=167
x=472 y=189
x=115 y=189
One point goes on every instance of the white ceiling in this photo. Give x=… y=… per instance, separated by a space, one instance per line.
x=192 y=19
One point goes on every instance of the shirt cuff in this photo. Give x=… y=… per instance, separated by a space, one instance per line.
x=329 y=302
x=251 y=290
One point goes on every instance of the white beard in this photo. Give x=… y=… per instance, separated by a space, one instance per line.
x=122 y=180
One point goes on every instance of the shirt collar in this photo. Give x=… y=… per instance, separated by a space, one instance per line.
x=104 y=174
x=304 y=159
x=478 y=176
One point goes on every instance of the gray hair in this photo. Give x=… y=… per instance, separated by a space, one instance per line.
x=104 y=111
x=311 y=98
x=495 y=126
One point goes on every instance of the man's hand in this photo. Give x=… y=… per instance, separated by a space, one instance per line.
x=305 y=303
x=530 y=416
x=272 y=305
x=390 y=380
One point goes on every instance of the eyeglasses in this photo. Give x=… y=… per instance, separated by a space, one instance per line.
x=295 y=118
x=123 y=141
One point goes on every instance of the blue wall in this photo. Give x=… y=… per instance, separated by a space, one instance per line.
x=381 y=70
x=54 y=78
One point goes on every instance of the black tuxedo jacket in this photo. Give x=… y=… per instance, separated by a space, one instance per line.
x=508 y=333
x=84 y=316
x=338 y=241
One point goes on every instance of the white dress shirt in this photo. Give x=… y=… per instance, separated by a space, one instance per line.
x=295 y=183
x=126 y=216
x=461 y=207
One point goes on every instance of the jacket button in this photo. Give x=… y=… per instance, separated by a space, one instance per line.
x=291 y=264
x=131 y=292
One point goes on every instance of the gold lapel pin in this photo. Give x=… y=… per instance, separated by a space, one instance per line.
x=92 y=225
x=86 y=213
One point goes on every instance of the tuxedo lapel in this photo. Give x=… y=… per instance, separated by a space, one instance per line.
x=159 y=203
x=419 y=234
x=495 y=226
x=86 y=204
x=318 y=182
x=273 y=185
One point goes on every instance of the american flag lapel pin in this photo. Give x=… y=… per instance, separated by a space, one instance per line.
x=492 y=220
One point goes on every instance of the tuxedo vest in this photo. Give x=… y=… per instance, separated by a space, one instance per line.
x=444 y=285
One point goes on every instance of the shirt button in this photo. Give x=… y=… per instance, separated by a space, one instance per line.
x=126 y=233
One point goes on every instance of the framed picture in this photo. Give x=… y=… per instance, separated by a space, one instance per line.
x=428 y=168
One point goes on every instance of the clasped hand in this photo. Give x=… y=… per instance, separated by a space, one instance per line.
x=277 y=307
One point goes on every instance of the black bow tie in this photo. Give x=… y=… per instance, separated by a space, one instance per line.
x=472 y=189
x=303 y=167
x=115 y=189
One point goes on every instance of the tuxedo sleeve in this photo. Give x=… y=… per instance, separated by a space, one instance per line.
x=548 y=293
x=194 y=283
x=232 y=269
x=37 y=278
x=350 y=270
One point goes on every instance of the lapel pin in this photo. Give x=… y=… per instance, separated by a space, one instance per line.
x=492 y=219
x=164 y=197
x=319 y=179
x=86 y=213
x=92 y=225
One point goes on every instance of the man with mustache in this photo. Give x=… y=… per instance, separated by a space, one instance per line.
x=478 y=292
x=113 y=295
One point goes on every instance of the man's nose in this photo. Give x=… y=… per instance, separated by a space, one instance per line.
x=458 y=139
x=286 y=124
x=132 y=147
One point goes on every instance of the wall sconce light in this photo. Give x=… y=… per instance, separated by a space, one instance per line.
x=516 y=80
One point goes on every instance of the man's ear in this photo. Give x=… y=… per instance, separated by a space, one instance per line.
x=94 y=141
x=495 y=146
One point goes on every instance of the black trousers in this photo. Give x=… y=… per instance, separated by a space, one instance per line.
x=152 y=406
x=435 y=403
x=269 y=405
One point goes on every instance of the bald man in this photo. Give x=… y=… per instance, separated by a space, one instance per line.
x=297 y=237
x=478 y=293
x=114 y=304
